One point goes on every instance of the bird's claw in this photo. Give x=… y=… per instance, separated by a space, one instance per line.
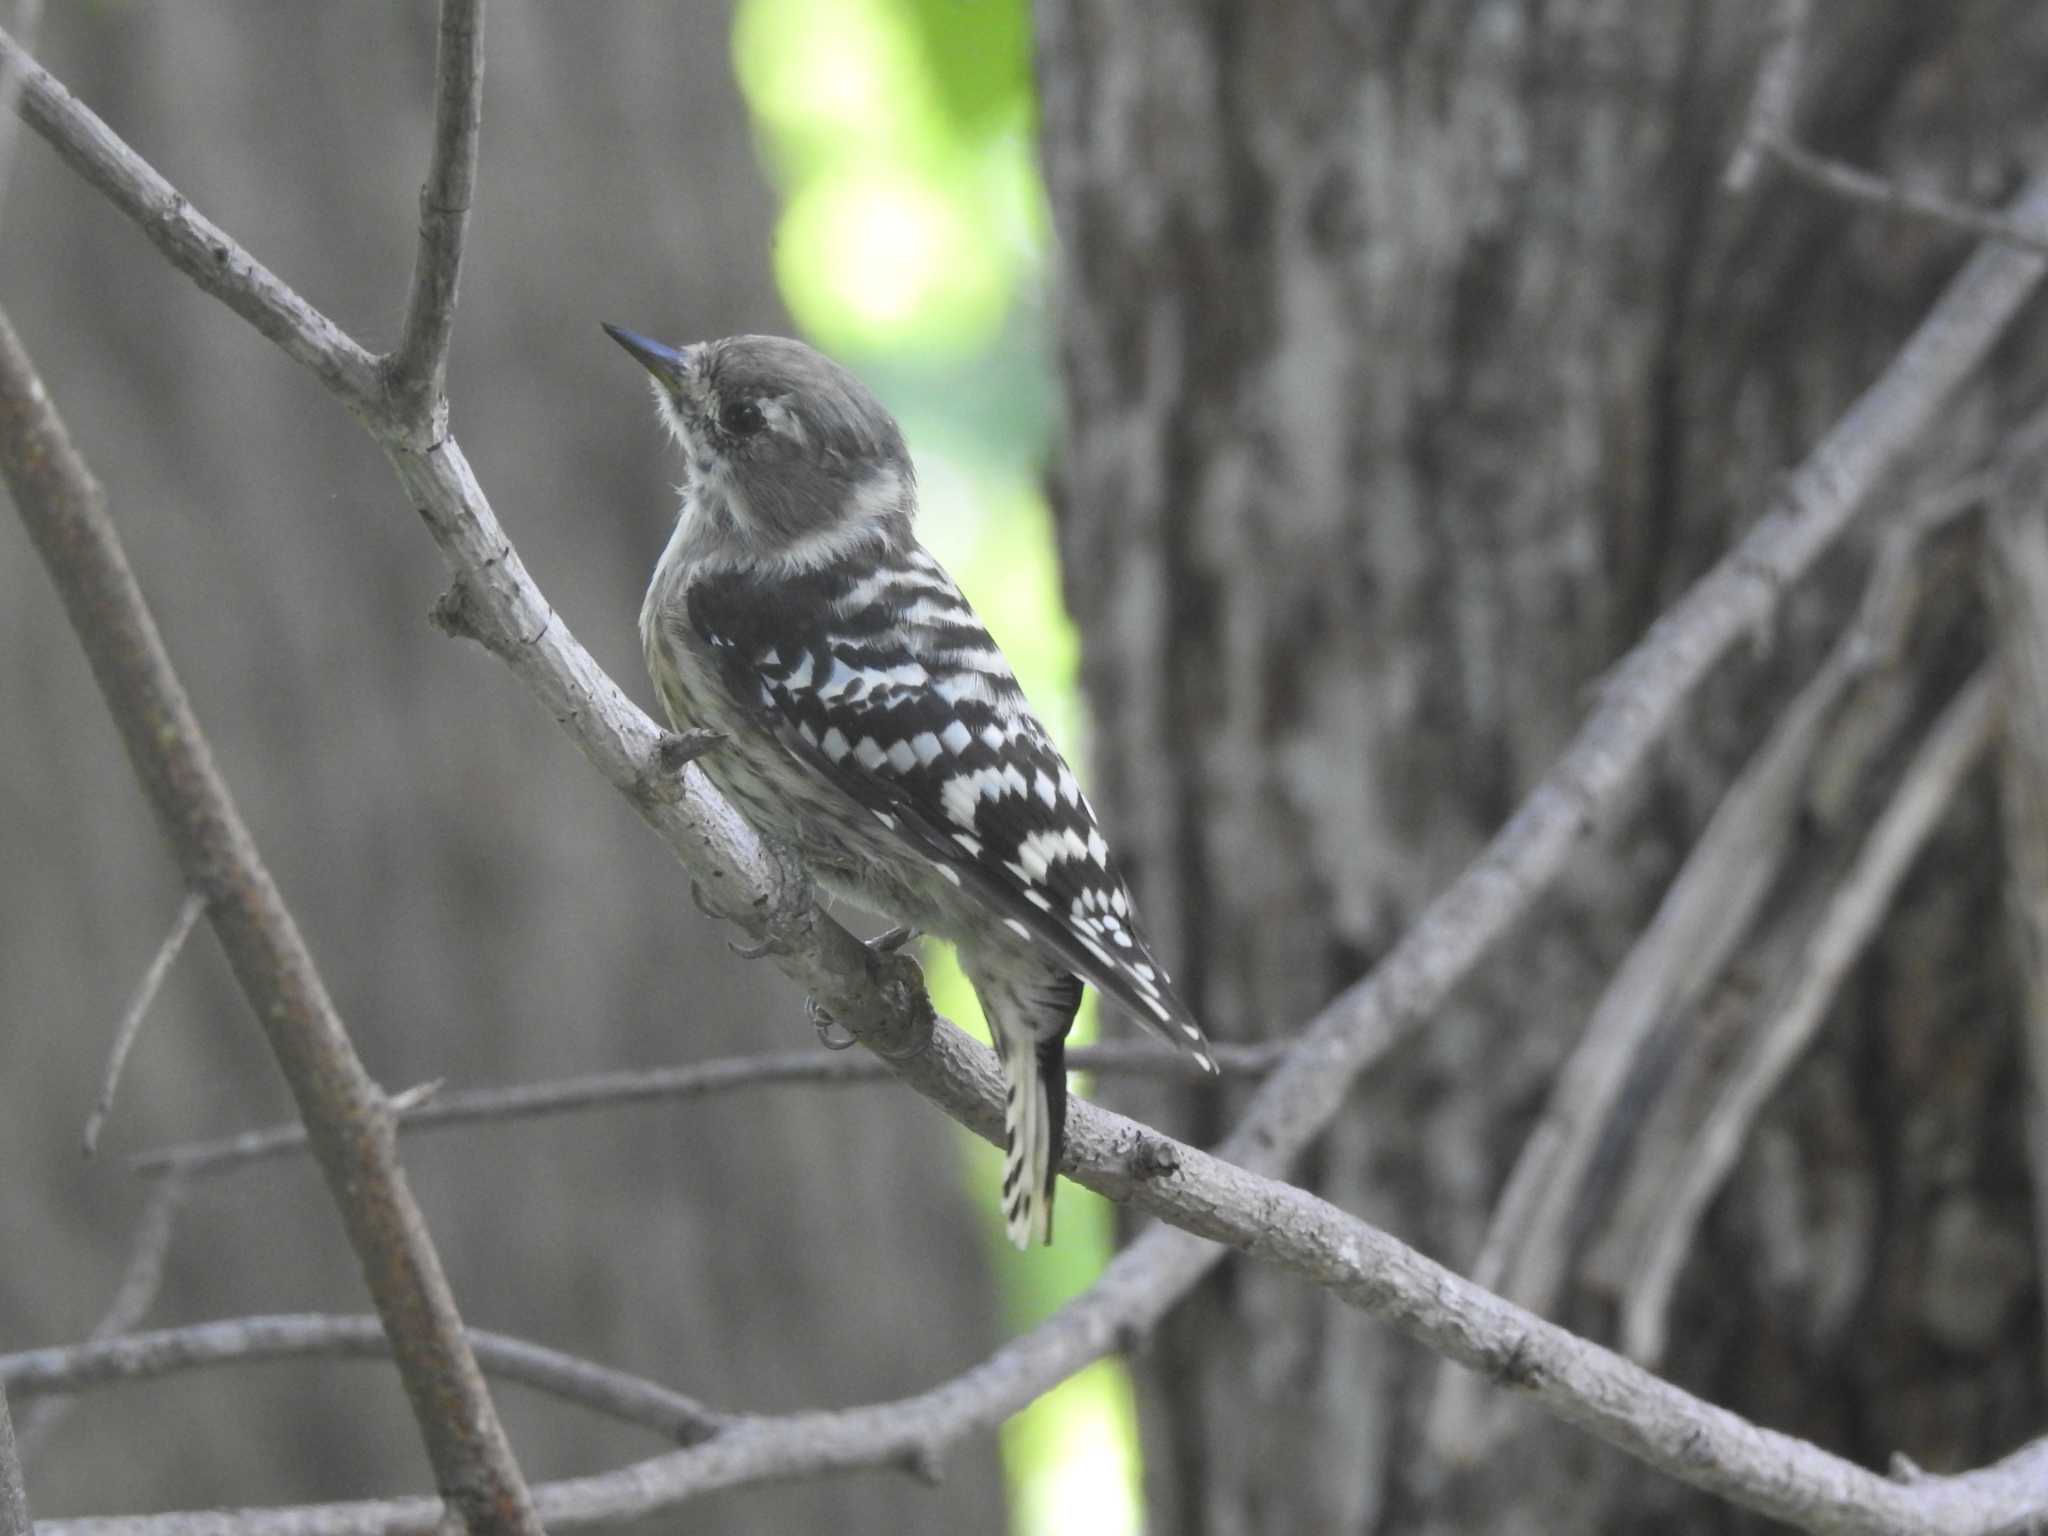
x=888 y=943
x=703 y=903
x=825 y=1025
x=768 y=946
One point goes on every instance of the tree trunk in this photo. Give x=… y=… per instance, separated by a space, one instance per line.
x=1415 y=358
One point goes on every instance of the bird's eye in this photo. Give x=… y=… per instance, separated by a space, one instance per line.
x=742 y=418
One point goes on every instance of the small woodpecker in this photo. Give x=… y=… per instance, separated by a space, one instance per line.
x=871 y=724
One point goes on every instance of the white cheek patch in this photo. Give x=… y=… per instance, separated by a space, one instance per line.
x=783 y=421
x=671 y=418
x=880 y=494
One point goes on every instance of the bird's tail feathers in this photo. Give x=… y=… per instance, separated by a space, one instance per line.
x=1027 y=1151
x=1030 y=1026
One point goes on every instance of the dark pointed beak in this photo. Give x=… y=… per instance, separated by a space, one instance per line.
x=665 y=363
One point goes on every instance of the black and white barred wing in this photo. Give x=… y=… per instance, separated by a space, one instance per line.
x=892 y=690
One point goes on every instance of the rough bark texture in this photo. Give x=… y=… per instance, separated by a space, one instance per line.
x=1414 y=359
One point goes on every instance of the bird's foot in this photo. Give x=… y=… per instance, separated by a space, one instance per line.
x=888 y=943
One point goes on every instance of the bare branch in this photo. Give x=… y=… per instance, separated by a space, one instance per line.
x=1846 y=181
x=1955 y=745
x=1770 y=109
x=2016 y=577
x=14 y=1515
x=620 y=1090
x=65 y=512
x=1697 y=929
x=28 y=18
x=192 y=243
x=1767 y=132
x=138 y=1010
x=416 y=372
x=882 y=1000
x=146 y=1356
x=133 y=1298
x=1612 y=1398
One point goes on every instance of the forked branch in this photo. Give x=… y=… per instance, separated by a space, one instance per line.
x=417 y=371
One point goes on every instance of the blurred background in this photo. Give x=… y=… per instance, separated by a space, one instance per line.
x=1362 y=380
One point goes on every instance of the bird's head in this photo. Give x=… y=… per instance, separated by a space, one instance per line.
x=792 y=458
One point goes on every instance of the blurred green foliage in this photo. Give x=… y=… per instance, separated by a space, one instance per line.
x=912 y=243
x=899 y=134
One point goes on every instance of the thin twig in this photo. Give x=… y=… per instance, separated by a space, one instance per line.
x=14 y=1515
x=416 y=372
x=1767 y=133
x=1777 y=83
x=132 y=1357
x=141 y=1280
x=1678 y=958
x=619 y=1090
x=192 y=243
x=65 y=513
x=28 y=17
x=1953 y=748
x=1709 y=1447
x=1846 y=181
x=886 y=1006
x=138 y=1010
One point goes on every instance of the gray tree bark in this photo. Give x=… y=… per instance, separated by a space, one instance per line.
x=1414 y=358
